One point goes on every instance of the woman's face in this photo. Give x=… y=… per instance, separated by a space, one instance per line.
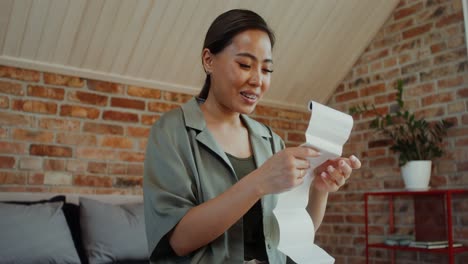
x=240 y=74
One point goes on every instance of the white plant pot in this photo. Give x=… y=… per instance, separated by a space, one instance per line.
x=416 y=174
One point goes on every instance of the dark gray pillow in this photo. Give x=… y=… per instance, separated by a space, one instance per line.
x=113 y=233
x=36 y=233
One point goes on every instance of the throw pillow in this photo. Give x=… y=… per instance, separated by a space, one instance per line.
x=113 y=233
x=36 y=233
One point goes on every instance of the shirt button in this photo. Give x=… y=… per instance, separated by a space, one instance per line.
x=268 y=245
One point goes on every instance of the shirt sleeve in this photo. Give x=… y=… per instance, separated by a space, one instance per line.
x=168 y=186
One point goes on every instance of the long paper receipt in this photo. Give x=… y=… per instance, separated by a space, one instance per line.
x=327 y=132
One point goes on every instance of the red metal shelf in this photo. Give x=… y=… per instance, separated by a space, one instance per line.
x=408 y=248
x=446 y=194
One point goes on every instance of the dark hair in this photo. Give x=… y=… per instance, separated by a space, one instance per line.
x=225 y=27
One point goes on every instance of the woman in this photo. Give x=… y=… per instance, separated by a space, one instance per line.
x=211 y=173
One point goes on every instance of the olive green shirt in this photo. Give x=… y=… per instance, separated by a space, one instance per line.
x=185 y=167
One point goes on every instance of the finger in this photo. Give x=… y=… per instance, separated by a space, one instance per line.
x=335 y=175
x=345 y=169
x=301 y=163
x=355 y=162
x=304 y=152
x=328 y=181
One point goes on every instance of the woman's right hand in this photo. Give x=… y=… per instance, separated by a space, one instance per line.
x=284 y=170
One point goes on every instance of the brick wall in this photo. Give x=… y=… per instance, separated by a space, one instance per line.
x=68 y=134
x=423 y=43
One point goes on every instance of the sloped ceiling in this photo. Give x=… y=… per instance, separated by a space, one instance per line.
x=158 y=43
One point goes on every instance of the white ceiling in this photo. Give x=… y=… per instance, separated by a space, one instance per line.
x=158 y=43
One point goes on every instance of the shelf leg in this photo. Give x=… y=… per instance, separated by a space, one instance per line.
x=448 y=200
x=366 y=227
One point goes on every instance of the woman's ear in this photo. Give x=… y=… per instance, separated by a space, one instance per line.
x=207 y=60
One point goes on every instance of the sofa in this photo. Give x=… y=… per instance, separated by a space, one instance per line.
x=71 y=228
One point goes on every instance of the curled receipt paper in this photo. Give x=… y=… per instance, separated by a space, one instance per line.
x=328 y=130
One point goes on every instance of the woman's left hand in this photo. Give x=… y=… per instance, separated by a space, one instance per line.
x=333 y=174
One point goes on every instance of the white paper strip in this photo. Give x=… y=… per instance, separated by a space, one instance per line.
x=328 y=130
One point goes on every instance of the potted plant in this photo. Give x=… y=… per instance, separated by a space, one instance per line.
x=416 y=141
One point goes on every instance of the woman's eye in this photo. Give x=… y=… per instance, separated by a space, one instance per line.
x=245 y=66
x=267 y=70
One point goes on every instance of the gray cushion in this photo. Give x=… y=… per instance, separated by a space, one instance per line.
x=35 y=233
x=113 y=233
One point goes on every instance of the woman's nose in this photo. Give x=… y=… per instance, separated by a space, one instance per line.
x=255 y=78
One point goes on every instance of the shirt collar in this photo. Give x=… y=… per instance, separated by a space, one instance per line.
x=193 y=117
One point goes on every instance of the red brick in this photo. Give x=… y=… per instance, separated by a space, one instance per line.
x=379 y=143
x=94 y=181
x=373 y=89
x=348 y=96
x=144 y=92
x=463 y=93
x=117 y=168
x=290 y=115
x=129 y=181
x=88 y=98
x=3 y=132
x=266 y=111
x=450 y=82
x=54 y=164
x=103 y=128
x=132 y=156
x=76 y=139
x=138 y=132
x=383 y=110
x=430 y=112
x=177 y=97
x=360 y=71
x=36 y=179
x=296 y=137
x=35 y=106
x=19 y=74
x=263 y=120
x=57 y=79
x=420 y=90
x=390 y=62
x=33 y=135
x=161 y=107
x=4 y=102
x=57 y=178
x=12 y=148
x=386 y=161
x=96 y=154
x=11 y=88
x=127 y=103
x=436 y=48
x=382 y=99
x=282 y=124
x=369 y=57
x=142 y=144
x=59 y=124
x=120 y=116
x=404 y=58
x=79 y=111
x=451 y=56
x=117 y=142
x=400 y=25
x=135 y=169
x=417 y=31
x=50 y=150
x=97 y=167
x=405 y=12
x=437 y=98
x=46 y=92
x=7 y=162
x=7 y=177
x=106 y=87
x=451 y=19
x=149 y=119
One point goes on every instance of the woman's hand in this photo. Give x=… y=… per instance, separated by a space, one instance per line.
x=333 y=174
x=284 y=170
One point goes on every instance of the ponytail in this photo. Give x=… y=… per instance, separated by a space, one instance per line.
x=206 y=88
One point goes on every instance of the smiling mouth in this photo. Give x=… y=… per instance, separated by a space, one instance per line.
x=249 y=96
